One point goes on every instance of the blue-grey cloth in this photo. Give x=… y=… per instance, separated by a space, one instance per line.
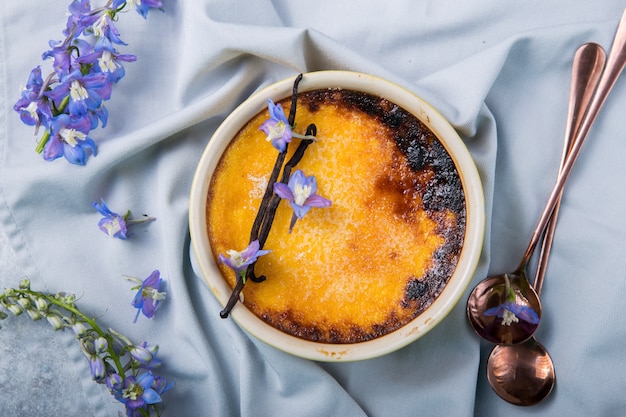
x=499 y=71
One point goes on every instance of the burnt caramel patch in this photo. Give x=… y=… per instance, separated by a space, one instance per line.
x=288 y=322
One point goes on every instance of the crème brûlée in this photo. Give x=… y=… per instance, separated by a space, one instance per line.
x=379 y=255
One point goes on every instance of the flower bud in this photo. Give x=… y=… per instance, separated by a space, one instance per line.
x=3 y=315
x=25 y=284
x=55 y=321
x=41 y=304
x=154 y=349
x=114 y=381
x=34 y=314
x=15 y=309
x=79 y=329
x=96 y=366
x=140 y=354
x=87 y=346
x=101 y=344
x=119 y=341
x=24 y=303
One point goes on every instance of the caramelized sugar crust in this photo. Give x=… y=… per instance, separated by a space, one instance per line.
x=384 y=250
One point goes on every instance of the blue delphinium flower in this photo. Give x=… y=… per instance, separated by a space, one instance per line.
x=114 y=224
x=68 y=138
x=510 y=311
x=85 y=92
x=137 y=393
x=239 y=261
x=34 y=109
x=85 y=67
x=277 y=126
x=300 y=192
x=149 y=294
x=80 y=17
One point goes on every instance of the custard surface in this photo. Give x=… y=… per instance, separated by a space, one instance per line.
x=382 y=252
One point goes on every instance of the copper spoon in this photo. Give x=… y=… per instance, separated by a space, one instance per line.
x=524 y=374
x=492 y=291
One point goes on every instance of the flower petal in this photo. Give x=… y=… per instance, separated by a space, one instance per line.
x=150 y=396
x=317 y=201
x=283 y=191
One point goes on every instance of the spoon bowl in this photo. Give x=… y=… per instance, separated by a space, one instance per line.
x=491 y=293
x=521 y=374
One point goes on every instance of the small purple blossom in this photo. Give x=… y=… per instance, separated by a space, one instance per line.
x=108 y=63
x=277 y=126
x=161 y=385
x=300 y=192
x=80 y=17
x=33 y=108
x=114 y=381
x=137 y=392
x=69 y=138
x=239 y=261
x=85 y=92
x=149 y=296
x=114 y=224
x=510 y=312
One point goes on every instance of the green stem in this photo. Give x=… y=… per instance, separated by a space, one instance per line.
x=42 y=142
x=90 y=321
x=46 y=136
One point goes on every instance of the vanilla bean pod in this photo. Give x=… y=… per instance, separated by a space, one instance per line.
x=269 y=203
x=269 y=190
x=273 y=204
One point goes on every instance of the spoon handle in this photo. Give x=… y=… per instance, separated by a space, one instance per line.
x=614 y=66
x=588 y=64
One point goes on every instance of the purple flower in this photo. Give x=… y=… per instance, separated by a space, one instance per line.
x=510 y=312
x=239 y=261
x=109 y=63
x=136 y=393
x=114 y=224
x=80 y=18
x=277 y=126
x=61 y=53
x=33 y=107
x=300 y=192
x=149 y=296
x=85 y=92
x=106 y=34
x=114 y=381
x=161 y=386
x=68 y=138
